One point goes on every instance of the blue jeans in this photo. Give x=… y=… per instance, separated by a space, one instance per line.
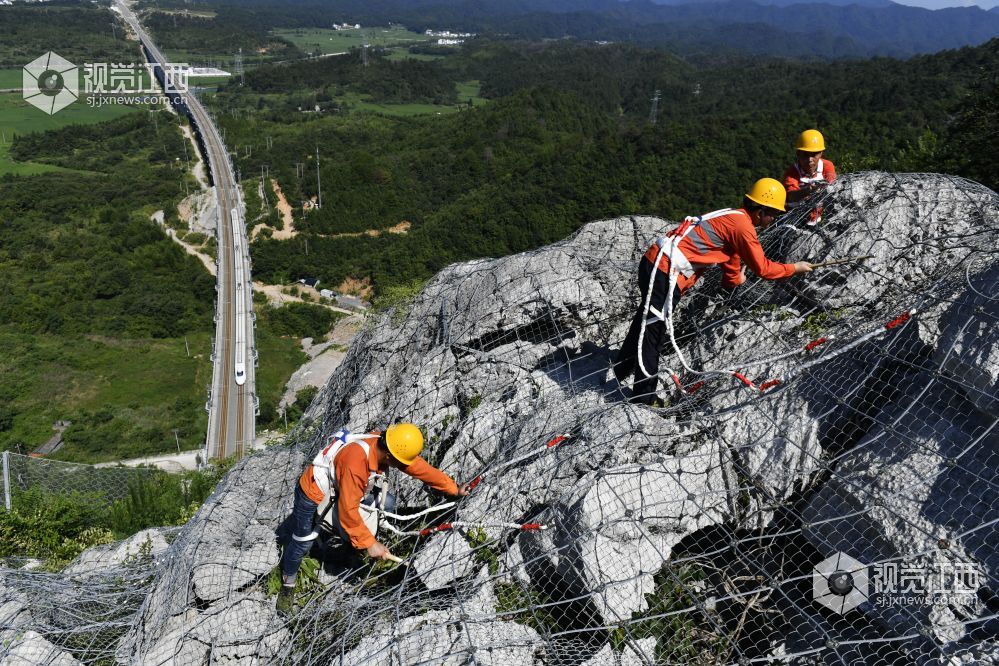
x=302 y=519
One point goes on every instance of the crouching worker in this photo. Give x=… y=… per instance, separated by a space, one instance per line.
x=344 y=471
x=810 y=172
x=675 y=261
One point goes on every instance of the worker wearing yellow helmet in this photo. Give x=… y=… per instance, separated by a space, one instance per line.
x=341 y=475
x=674 y=262
x=810 y=172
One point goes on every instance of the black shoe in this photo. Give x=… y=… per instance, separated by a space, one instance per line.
x=285 y=601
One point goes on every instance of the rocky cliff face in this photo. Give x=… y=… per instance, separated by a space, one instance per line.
x=865 y=425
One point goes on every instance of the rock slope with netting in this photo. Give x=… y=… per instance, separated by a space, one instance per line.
x=847 y=416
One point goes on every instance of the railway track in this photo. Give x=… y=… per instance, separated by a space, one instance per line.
x=232 y=404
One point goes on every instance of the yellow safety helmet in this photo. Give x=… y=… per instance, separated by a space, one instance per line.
x=768 y=192
x=811 y=141
x=404 y=441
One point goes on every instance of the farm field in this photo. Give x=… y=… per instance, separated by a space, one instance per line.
x=18 y=117
x=312 y=40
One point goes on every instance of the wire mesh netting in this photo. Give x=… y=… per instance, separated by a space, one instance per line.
x=106 y=483
x=819 y=485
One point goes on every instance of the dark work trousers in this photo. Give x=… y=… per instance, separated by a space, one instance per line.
x=302 y=518
x=652 y=342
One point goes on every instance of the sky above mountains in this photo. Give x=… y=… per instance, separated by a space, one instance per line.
x=940 y=4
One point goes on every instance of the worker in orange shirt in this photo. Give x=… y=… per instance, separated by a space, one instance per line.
x=346 y=470
x=675 y=261
x=810 y=172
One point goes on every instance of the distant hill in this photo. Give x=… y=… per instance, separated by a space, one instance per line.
x=829 y=29
x=832 y=29
x=823 y=30
x=787 y=3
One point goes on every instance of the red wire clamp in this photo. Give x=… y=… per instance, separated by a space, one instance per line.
x=815 y=343
x=443 y=527
x=695 y=387
x=474 y=482
x=532 y=526
x=742 y=378
x=558 y=440
x=898 y=321
x=769 y=384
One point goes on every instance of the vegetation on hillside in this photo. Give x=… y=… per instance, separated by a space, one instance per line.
x=809 y=30
x=225 y=33
x=97 y=300
x=76 y=29
x=566 y=139
x=97 y=295
x=56 y=527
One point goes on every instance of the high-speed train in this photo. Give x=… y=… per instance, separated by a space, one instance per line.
x=239 y=351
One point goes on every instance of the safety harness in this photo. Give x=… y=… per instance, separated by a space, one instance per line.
x=806 y=180
x=679 y=264
x=324 y=474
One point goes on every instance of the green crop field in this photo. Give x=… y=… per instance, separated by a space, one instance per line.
x=356 y=102
x=279 y=358
x=469 y=90
x=403 y=110
x=140 y=384
x=10 y=78
x=466 y=90
x=18 y=117
x=313 y=40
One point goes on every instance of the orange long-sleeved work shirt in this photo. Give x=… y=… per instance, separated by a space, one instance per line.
x=792 y=183
x=727 y=240
x=792 y=176
x=353 y=469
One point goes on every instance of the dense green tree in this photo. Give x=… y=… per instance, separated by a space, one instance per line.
x=969 y=144
x=566 y=140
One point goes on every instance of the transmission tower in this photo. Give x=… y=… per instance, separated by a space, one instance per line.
x=319 y=183
x=655 y=108
x=364 y=54
x=239 y=65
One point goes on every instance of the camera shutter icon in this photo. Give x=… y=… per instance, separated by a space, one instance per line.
x=50 y=82
x=840 y=583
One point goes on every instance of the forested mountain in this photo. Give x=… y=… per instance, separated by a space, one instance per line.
x=827 y=30
x=567 y=139
x=70 y=26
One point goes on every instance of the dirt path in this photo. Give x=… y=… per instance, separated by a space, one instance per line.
x=205 y=259
x=199 y=166
x=401 y=228
x=285 y=209
x=276 y=296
